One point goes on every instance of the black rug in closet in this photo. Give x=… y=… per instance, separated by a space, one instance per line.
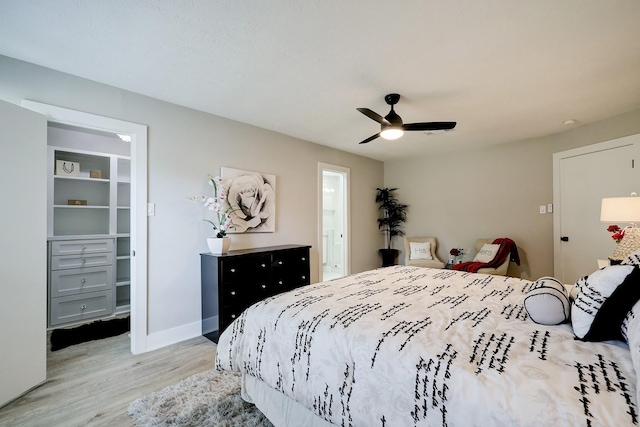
x=62 y=338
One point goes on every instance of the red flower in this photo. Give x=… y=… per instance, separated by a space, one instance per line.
x=617 y=232
x=454 y=252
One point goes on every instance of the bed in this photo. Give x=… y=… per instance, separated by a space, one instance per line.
x=405 y=346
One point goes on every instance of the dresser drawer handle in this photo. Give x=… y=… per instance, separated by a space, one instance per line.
x=83 y=280
x=280 y=282
x=233 y=270
x=304 y=259
x=233 y=316
x=279 y=262
x=83 y=307
x=84 y=247
x=264 y=265
x=264 y=286
x=84 y=261
x=304 y=277
x=233 y=292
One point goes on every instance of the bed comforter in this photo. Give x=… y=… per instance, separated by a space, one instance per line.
x=404 y=346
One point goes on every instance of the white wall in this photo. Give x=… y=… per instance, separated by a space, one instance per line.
x=494 y=192
x=184 y=146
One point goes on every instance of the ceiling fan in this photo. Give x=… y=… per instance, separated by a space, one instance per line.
x=392 y=126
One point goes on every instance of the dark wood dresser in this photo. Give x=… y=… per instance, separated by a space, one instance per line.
x=232 y=282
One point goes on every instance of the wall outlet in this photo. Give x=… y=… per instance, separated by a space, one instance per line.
x=543 y=209
x=550 y=207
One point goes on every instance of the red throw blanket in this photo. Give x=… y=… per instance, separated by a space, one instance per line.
x=507 y=246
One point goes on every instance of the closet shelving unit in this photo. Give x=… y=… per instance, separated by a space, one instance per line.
x=89 y=244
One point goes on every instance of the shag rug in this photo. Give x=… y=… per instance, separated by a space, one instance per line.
x=210 y=398
x=62 y=338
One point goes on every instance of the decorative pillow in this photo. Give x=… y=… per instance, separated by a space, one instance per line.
x=548 y=302
x=605 y=298
x=487 y=252
x=420 y=250
x=631 y=332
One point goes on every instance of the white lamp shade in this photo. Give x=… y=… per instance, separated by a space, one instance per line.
x=620 y=209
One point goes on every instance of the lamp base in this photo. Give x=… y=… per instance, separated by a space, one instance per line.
x=629 y=243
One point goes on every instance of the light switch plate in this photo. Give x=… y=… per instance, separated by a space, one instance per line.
x=151 y=209
x=543 y=209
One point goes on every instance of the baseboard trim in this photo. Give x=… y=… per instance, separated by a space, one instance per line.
x=171 y=336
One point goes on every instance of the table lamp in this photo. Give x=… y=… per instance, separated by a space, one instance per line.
x=623 y=209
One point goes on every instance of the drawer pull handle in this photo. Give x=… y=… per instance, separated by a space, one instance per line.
x=233 y=316
x=280 y=282
x=233 y=292
x=304 y=277
x=279 y=262
x=83 y=307
x=264 y=286
x=264 y=265
x=83 y=280
x=84 y=261
x=304 y=259
x=84 y=247
x=233 y=270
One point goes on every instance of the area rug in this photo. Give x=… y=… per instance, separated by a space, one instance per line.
x=210 y=398
x=62 y=338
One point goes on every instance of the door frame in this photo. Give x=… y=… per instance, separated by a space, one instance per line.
x=346 y=172
x=138 y=214
x=631 y=140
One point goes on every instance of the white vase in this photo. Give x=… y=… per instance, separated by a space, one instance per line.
x=219 y=245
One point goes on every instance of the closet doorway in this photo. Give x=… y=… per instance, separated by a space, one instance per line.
x=333 y=230
x=134 y=216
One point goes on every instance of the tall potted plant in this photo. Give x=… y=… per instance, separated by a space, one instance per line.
x=394 y=215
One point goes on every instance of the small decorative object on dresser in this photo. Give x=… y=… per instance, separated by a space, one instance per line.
x=219 y=245
x=221 y=221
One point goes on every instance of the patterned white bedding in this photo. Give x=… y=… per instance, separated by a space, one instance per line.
x=404 y=346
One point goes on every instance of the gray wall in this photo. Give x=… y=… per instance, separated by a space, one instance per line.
x=184 y=146
x=494 y=192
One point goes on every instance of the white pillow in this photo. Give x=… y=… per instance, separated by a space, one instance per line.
x=420 y=250
x=548 y=302
x=487 y=252
x=594 y=291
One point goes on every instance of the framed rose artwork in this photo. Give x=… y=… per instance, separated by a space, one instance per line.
x=252 y=199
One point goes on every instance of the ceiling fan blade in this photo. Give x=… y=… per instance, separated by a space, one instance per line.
x=371 y=138
x=373 y=115
x=430 y=126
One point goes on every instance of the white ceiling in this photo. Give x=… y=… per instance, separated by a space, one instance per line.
x=505 y=70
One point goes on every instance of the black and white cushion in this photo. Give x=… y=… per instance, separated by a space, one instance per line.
x=548 y=302
x=605 y=298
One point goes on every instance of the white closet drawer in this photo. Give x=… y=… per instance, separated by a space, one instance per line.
x=78 y=247
x=81 y=261
x=80 y=307
x=81 y=281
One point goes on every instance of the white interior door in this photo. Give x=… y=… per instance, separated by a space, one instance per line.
x=333 y=228
x=23 y=264
x=582 y=178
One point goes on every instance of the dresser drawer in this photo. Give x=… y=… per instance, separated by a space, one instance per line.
x=80 y=247
x=81 y=280
x=80 y=307
x=81 y=261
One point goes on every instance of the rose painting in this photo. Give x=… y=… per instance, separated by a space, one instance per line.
x=252 y=198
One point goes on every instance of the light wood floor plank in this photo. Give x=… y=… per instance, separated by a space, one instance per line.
x=92 y=384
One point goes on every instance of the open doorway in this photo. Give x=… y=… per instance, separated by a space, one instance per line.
x=334 y=221
x=130 y=209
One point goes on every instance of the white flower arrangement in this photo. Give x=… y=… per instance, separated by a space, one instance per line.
x=222 y=220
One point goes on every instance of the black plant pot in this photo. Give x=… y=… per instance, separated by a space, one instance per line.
x=389 y=256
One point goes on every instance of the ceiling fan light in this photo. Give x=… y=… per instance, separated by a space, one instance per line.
x=392 y=133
